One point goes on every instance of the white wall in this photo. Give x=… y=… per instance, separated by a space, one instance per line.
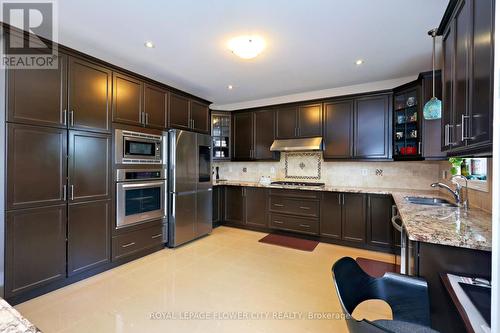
x=326 y=93
x=495 y=308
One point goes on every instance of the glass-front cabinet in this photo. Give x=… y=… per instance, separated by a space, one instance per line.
x=407 y=130
x=221 y=135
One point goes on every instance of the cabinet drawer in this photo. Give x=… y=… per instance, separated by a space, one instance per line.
x=294 y=206
x=294 y=223
x=295 y=193
x=131 y=242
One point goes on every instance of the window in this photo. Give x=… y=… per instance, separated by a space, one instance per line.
x=475 y=169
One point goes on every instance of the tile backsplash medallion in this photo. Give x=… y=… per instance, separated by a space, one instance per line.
x=405 y=175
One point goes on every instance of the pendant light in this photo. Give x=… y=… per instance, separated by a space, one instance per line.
x=432 y=109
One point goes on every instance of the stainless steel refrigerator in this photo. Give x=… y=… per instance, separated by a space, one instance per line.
x=189 y=186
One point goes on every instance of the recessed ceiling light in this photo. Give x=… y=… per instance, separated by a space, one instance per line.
x=247 y=47
x=359 y=62
x=149 y=44
x=230 y=87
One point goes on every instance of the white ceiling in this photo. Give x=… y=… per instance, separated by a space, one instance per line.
x=312 y=44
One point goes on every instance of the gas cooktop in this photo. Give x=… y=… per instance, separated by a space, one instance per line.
x=289 y=183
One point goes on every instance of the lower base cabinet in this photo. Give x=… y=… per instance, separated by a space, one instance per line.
x=380 y=229
x=354 y=217
x=331 y=215
x=129 y=243
x=234 y=205
x=256 y=206
x=35 y=253
x=88 y=235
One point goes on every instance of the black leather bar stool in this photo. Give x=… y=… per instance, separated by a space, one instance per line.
x=407 y=296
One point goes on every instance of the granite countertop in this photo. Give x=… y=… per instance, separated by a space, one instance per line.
x=450 y=226
x=12 y=321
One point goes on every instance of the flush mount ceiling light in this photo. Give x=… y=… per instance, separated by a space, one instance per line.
x=359 y=62
x=246 y=47
x=149 y=44
x=230 y=87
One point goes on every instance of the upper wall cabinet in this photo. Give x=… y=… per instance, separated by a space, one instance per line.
x=243 y=136
x=89 y=96
x=188 y=114
x=299 y=121
x=76 y=95
x=127 y=100
x=358 y=128
x=467 y=30
x=155 y=107
x=38 y=96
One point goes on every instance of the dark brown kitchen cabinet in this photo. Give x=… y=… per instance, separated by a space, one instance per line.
x=234 y=205
x=38 y=96
x=89 y=166
x=36 y=166
x=255 y=206
x=353 y=217
x=89 y=96
x=338 y=127
x=371 y=127
x=217 y=204
x=35 y=251
x=127 y=99
x=467 y=30
x=331 y=215
x=379 y=213
x=243 y=136
x=431 y=128
x=199 y=117
x=286 y=123
x=301 y=121
x=155 y=107
x=179 y=112
x=88 y=235
x=264 y=135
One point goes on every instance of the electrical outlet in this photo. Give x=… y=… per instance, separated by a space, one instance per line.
x=444 y=175
x=273 y=170
x=364 y=172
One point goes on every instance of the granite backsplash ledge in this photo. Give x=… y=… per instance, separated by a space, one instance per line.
x=311 y=167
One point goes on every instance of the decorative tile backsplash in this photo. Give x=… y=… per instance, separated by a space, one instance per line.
x=406 y=175
x=302 y=165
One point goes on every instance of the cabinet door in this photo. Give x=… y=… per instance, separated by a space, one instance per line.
x=155 y=107
x=35 y=252
x=380 y=229
x=338 y=129
x=89 y=96
x=242 y=136
x=286 y=123
x=448 y=68
x=234 y=205
x=38 y=96
x=371 y=127
x=331 y=215
x=461 y=77
x=264 y=135
x=353 y=221
x=88 y=235
x=127 y=100
x=256 y=206
x=310 y=120
x=480 y=129
x=431 y=129
x=199 y=117
x=89 y=157
x=216 y=202
x=36 y=166
x=178 y=111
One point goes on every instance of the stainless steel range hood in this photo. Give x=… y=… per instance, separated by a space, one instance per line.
x=307 y=144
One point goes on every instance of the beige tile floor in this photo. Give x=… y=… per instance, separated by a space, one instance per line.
x=228 y=271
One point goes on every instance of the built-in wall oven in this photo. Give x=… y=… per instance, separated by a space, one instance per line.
x=138 y=148
x=140 y=196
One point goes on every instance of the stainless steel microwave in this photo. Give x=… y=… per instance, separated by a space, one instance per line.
x=138 y=148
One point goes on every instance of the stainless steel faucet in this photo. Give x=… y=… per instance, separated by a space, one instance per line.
x=457 y=192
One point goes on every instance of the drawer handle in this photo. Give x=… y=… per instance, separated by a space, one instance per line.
x=156 y=236
x=279 y=222
x=279 y=205
x=306 y=208
x=305 y=225
x=129 y=244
